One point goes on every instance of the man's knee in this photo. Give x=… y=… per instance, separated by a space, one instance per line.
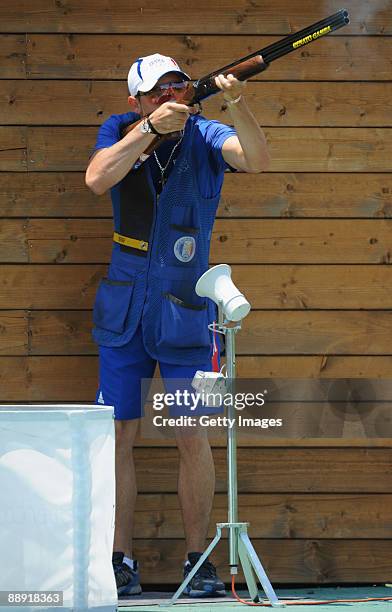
x=126 y=431
x=192 y=443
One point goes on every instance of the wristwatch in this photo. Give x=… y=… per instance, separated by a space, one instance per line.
x=146 y=127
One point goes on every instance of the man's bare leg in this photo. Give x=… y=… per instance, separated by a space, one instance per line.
x=196 y=485
x=126 y=490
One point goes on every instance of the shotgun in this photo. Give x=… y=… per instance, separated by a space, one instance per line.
x=248 y=66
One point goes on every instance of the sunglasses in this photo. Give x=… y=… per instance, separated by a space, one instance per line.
x=163 y=88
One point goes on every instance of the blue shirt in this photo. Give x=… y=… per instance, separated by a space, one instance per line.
x=209 y=161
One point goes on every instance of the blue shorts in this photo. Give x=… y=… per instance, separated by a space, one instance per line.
x=122 y=369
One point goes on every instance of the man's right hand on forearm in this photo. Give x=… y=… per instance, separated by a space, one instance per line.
x=171 y=117
x=110 y=165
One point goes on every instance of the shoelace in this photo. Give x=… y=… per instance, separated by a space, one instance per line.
x=207 y=570
x=122 y=573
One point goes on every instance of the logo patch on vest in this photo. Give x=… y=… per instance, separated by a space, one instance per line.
x=185 y=248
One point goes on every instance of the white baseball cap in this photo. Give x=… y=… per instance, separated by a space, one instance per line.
x=146 y=71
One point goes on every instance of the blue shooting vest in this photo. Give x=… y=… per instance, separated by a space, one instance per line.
x=159 y=288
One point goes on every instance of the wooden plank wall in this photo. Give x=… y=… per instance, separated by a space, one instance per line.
x=310 y=242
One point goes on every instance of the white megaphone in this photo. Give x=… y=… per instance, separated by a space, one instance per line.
x=217 y=285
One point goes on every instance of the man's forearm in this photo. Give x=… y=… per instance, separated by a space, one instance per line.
x=110 y=165
x=250 y=135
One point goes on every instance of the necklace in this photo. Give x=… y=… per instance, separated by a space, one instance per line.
x=163 y=169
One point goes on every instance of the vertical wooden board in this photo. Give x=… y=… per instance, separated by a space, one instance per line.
x=12 y=57
x=13 y=332
x=13 y=143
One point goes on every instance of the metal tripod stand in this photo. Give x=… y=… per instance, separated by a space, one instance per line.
x=240 y=547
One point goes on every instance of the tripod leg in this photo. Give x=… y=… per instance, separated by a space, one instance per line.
x=260 y=572
x=196 y=567
x=248 y=572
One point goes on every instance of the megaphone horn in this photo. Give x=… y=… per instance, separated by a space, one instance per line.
x=217 y=285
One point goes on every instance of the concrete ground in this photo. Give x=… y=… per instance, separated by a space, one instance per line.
x=156 y=602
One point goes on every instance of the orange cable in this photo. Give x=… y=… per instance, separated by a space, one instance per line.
x=305 y=603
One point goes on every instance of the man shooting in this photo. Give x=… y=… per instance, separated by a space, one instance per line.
x=146 y=310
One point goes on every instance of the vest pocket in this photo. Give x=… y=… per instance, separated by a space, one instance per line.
x=183 y=325
x=112 y=304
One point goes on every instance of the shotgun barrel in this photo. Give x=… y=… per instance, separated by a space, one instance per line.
x=258 y=61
